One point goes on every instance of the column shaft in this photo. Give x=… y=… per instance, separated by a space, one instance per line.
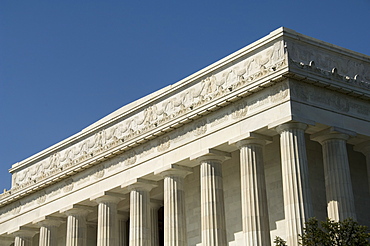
x=253 y=193
x=212 y=203
x=154 y=206
x=48 y=233
x=296 y=188
x=339 y=194
x=107 y=221
x=174 y=211
x=139 y=218
x=122 y=229
x=76 y=227
x=23 y=241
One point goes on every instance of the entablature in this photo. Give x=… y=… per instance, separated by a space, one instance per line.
x=280 y=55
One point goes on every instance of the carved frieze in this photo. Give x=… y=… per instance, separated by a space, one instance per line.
x=200 y=93
x=197 y=129
x=330 y=64
x=332 y=100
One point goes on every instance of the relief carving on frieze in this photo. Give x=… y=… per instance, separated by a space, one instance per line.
x=201 y=92
x=330 y=99
x=330 y=64
x=163 y=144
x=196 y=130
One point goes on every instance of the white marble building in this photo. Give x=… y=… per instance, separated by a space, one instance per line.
x=242 y=151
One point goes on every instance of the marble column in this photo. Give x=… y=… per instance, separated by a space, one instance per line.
x=339 y=193
x=253 y=192
x=212 y=198
x=107 y=219
x=154 y=206
x=6 y=241
x=24 y=237
x=365 y=149
x=140 y=232
x=76 y=226
x=49 y=231
x=174 y=205
x=296 y=189
x=122 y=228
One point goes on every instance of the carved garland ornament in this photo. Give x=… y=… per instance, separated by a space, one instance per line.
x=206 y=90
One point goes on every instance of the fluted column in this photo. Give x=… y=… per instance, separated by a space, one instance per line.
x=253 y=192
x=339 y=193
x=212 y=197
x=107 y=218
x=174 y=205
x=296 y=189
x=6 y=241
x=122 y=228
x=365 y=149
x=49 y=232
x=154 y=206
x=140 y=234
x=24 y=237
x=76 y=226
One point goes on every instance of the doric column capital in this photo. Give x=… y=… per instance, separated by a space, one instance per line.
x=49 y=221
x=332 y=133
x=107 y=196
x=76 y=210
x=291 y=125
x=174 y=170
x=363 y=147
x=250 y=138
x=211 y=154
x=139 y=184
x=24 y=232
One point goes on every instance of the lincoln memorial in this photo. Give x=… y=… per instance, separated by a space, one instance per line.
x=242 y=151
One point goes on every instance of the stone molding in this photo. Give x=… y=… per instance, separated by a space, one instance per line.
x=139 y=184
x=107 y=196
x=204 y=96
x=211 y=154
x=174 y=170
x=283 y=53
x=250 y=137
x=332 y=133
x=229 y=115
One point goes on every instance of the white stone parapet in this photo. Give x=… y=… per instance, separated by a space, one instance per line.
x=255 y=95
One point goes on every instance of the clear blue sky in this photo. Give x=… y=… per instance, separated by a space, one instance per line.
x=66 y=64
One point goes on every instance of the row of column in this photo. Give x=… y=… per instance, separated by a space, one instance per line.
x=296 y=191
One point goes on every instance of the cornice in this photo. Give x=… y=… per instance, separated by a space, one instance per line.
x=145 y=101
x=249 y=70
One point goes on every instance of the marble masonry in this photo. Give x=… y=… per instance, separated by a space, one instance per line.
x=242 y=151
